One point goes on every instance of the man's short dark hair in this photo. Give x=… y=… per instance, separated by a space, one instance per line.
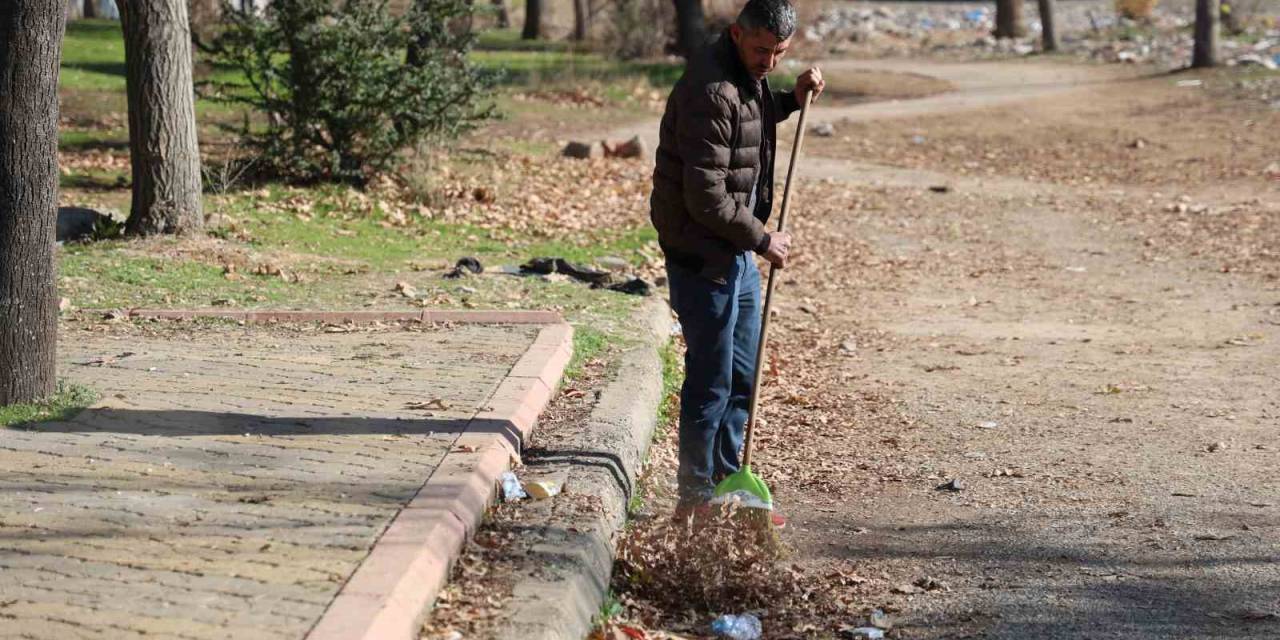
x=778 y=16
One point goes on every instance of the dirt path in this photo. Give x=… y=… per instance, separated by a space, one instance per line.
x=1106 y=401
x=1111 y=418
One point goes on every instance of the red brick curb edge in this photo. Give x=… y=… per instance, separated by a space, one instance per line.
x=388 y=595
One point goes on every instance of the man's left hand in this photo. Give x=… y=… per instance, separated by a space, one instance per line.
x=811 y=79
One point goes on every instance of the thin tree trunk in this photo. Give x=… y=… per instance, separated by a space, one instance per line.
x=75 y=9
x=90 y=8
x=532 y=20
x=1206 y=48
x=31 y=34
x=204 y=16
x=162 y=118
x=504 y=16
x=1048 y=36
x=691 y=26
x=581 y=19
x=1009 y=19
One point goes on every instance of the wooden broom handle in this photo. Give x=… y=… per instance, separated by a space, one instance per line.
x=768 y=296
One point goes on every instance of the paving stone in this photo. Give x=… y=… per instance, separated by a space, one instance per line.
x=231 y=478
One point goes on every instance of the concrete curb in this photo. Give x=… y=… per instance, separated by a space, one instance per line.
x=388 y=595
x=576 y=559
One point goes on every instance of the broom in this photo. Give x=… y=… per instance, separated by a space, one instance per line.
x=743 y=488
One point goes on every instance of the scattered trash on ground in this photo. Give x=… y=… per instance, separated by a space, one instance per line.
x=511 y=489
x=545 y=266
x=737 y=627
x=596 y=278
x=953 y=485
x=871 y=633
x=634 y=286
x=465 y=266
x=543 y=488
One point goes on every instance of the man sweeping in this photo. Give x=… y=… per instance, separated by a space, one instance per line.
x=712 y=194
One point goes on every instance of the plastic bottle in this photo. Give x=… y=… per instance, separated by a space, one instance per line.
x=743 y=627
x=511 y=489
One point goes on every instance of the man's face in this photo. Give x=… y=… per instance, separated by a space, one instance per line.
x=759 y=49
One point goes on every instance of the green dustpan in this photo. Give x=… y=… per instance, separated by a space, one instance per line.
x=743 y=487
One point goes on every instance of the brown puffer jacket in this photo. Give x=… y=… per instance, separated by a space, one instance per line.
x=718 y=132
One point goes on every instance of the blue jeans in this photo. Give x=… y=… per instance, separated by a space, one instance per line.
x=721 y=326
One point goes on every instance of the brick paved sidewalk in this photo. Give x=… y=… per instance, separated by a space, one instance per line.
x=232 y=477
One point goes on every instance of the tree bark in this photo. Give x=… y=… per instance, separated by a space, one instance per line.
x=1048 y=36
x=691 y=26
x=1009 y=19
x=581 y=19
x=532 y=20
x=1206 y=47
x=162 y=118
x=503 y=16
x=31 y=34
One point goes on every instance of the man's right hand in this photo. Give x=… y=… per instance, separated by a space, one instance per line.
x=779 y=247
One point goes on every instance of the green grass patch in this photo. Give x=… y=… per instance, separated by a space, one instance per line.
x=510 y=40
x=106 y=275
x=672 y=380
x=93 y=56
x=330 y=228
x=609 y=611
x=67 y=400
x=588 y=343
x=536 y=68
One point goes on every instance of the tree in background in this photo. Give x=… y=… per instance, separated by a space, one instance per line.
x=338 y=96
x=532 y=20
x=1009 y=19
x=1048 y=34
x=501 y=15
x=30 y=51
x=163 y=150
x=581 y=19
x=1205 y=53
x=691 y=26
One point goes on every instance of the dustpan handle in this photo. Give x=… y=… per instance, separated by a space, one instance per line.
x=768 y=296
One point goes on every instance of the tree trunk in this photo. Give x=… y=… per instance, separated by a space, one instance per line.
x=90 y=8
x=31 y=34
x=503 y=16
x=162 y=118
x=75 y=9
x=1206 y=49
x=532 y=20
x=691 y=26
x=1009 y=19
x=1048 y=37
x=581 y=19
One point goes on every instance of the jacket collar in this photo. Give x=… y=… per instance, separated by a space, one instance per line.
x=728 y=53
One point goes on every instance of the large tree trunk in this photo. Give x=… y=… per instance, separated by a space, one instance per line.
x=1206 y=48
x=532 y=20
x=30 y=50
x=691 y=26
x=1009 y=19
x=581 y=19
x=162 y=118
x=1048 y=36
